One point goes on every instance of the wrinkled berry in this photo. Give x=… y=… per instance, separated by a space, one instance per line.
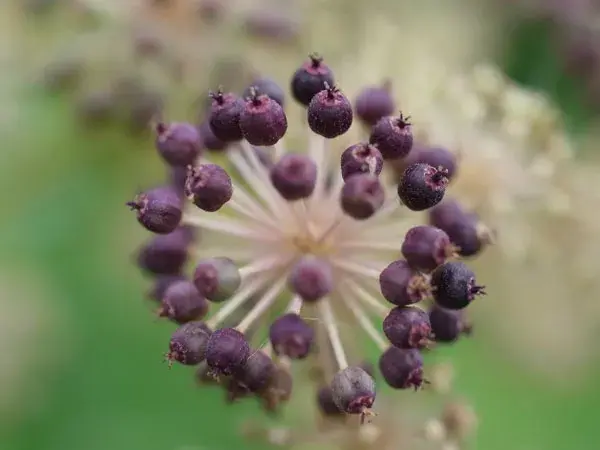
x=165 y=254
x=291 y=336
x=311 y=278
x=326 y=403
x=463 y=227
x=447 y=325
x=309 y=80
x=402 y=368
x=362 y=196
x=401 y=285
x=188 y=344
x=183 y=303
x=161 y=284
x=257 y=373
x=294 y=176
x=227 y=351
x=454 y=285
x=159 y=210
x=353 y=391
x=393 y=136
x=209 y=140
x=373 y=103
x=361 y=158
x=178 y=143
x=209 y=186
x=422 y=186
x=435 y=157
x=268 y=87
x=426 y=247
x=407 y=327
x=224 y=117
x=262 y=120
x=217 y=279
x=329 y=113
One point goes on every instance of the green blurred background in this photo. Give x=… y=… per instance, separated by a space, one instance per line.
x=81 y=365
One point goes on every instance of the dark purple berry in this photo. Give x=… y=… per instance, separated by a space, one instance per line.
x=217 y=279
x=326 y=403
x=407 y=327
x=291 y=336
x=268 y=87
x=209 y=187
x=224 y=119
x=279 y=390
x=426 y=247
x=393 y=136
x=402 y=285
x=353 y=391
x=454 y=285
x=183 y=303
x=329 y=113
x=309 y=79
x=161 y=284
x=447 y=325
x=422 y=186
x=311 y=278
x=435 y=157
x=257 y=373
x=362 y=196
x=402 y=368
x=227 y=351
x=209 y=140
x=373 y=103
x=165 y=254
x=463 y=227
x=294 y=176
x=361 y=158
x=188 y=344
x=159 y=210
x=178 y=143
x=262 y=120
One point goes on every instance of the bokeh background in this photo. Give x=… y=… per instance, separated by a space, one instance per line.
x=81 y=355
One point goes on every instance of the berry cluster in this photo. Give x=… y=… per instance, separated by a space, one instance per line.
x=325 y=232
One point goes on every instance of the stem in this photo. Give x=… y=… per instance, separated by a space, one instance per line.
x=261 y=265
x=226 y=226
x=363 y=320
x=295 y=306
x=332 y=331
x=366 y=297
x=263 y=304
x=354 y=268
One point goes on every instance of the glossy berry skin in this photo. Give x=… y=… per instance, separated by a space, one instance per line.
x=434 y=156
x=268 y=87
x=309 y=80
x=188 y=343
x=161 y=284
x=257 y=373
x=407 y=327
x=326 y=403
x=353 y=390
x=361 y=158
x=330 y=113
x=158 y=210
x=362 y=196
x=179 y=144
x=393 y=136
x=401 y=285
x=209 y=186
x=224 y=118
x=447 y=325
x=291 y=336
x=217 y=279
x=426 y=247
x=422 y=186
x=262 y=120
x=227 y=351
x=183 y=303
x=294 y=176
x=373 y=103
x=311 y=278
x=454 y=285
x=165 y=254
x=209 y=140
x=463 y=227
x=402 y=368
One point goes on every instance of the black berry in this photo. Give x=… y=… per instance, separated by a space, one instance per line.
x=209 y=187
x=402 y=368
x=183 y=303
x=161 y=284
x=326 y=403
x=294 y=176
x=353 y=391
x=361 y=158
x=422 y=186
x=454 y=285
x=291 y=336
x=217 y=279
x=224 y=119
x=262 y=120
x=165 y=254
x=362 y=196
x=407 y=327
x=257 y=373
x=402 y=285
x=209 y=140
x=268 y=87
x=448 y=325
x=309 y=79
x=227 y=351
x=311 y=278
x=373 y=103
x=159 y=210
x=426 y=247
x=393 y=136
x=434 y=156
x=178 y=143
x=188 y=344
x=329 y=113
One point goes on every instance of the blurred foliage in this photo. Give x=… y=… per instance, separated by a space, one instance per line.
x=93 y=378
